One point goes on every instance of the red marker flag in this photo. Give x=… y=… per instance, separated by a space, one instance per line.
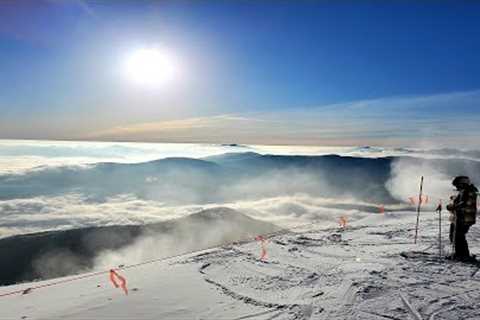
x=343 y=222
x=381 y=209
x=423 y=200
x=123 y=282
x=262 y=241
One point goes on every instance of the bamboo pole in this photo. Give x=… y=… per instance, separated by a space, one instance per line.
x=418 y=208
x=439 y=209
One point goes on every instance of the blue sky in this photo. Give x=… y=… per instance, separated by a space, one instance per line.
x=301 y=72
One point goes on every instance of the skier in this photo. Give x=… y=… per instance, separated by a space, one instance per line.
x=463 y=210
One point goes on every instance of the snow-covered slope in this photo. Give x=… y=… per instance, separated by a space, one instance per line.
x=312 y=273
x=60 y=253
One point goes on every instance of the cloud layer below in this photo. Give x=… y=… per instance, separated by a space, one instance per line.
x=282 y=190
x=17 y=156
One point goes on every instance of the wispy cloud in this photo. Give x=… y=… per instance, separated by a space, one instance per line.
x=219 y=128
x=403 y=120
x=176 y=125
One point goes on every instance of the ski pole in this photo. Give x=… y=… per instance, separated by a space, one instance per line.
x=418 y=208
x=439 y=210
x=454 y=240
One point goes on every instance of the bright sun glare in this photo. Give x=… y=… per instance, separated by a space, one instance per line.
x=151 y=67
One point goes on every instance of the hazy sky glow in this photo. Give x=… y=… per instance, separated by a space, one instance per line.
x=265 y=72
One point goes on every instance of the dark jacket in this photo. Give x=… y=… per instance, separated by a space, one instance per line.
x=465 y=204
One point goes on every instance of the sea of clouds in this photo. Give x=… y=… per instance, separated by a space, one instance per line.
x=18 y=156
x=281 y=198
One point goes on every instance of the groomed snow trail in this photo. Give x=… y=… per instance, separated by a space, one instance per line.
x=357 y=273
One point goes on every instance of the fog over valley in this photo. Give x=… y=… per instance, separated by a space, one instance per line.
x=116 y=209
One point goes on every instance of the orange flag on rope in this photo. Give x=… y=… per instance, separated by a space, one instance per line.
x=343 y=222
x=123 y=282
x=262 y=241
x=423 y=200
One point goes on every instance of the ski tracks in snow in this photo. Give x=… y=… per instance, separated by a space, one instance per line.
x=303 y=280
x=330 y=274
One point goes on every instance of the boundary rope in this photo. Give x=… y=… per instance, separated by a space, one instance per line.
x=156 y=260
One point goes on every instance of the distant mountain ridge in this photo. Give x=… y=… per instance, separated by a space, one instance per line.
x=226 y=177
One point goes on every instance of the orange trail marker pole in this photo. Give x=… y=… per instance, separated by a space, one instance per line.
x=343 y=222
x=123 y=281
x=123 y=284
x=112 y=278
x=418 y=209
x=262 y=241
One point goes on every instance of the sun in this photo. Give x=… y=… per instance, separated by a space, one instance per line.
x=151 y=67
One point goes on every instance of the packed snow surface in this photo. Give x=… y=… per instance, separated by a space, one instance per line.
x=315 y=272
